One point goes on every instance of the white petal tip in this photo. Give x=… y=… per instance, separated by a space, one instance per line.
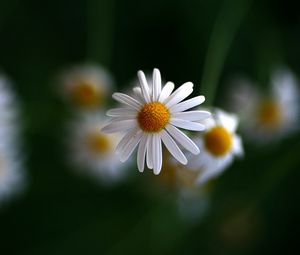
x=196 y=152
x=123 y=160
x=156 y=172
x=207 y=113
x=140 y=72
x=189 y=83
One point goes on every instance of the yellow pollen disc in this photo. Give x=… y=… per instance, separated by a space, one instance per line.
x=99 y=143
x=86 y=94
x=153 y=117
x=269 y=114
x=218 y=141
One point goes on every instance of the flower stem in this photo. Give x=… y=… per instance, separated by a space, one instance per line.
x=226 y=25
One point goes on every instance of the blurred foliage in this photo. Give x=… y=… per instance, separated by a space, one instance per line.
x=255 y=203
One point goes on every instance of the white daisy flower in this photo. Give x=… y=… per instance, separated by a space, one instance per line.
x=93 y=151
x=152 y=117
x=219 y=144
x=268 y=117
x=87 y=86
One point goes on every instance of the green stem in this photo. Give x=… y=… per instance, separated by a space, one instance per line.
x=100 y=21
x=224 y=30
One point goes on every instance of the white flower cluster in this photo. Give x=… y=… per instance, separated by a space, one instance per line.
x=152 y=116
x=91 y=151
x=268 y=117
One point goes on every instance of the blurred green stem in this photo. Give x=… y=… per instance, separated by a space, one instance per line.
x=100 y=22
x=224 y=30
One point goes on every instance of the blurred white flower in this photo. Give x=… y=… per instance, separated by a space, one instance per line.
x=193 y=204
x=219 y=144
x=11 y=176
x=152 y=117
x=11 y=172
x=268 y=117
x=86 y=86
x=193 y=200
x=93 y=152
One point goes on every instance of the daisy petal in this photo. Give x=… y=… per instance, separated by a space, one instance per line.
x=187 y=104
x=157 y=154
x=216 y=170
x=183 y=139
x=119 y=112
x=149 y=159
x=144 y=86
x=125 y=154
x=125 y=140
x=166 y=91
x=142 y=153
x=127 y=100
x=238 y=146
x=230 y=121
x=189 y=125
x=179 y=94
x=122 y=118
x=192 y=115
x=173 y=147
x=156 y=84
x=118 y=126
x=138 y=94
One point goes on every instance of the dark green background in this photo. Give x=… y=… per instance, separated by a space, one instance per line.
x=60 y=213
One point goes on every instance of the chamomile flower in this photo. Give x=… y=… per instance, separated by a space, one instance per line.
x=268 y=117
x=219 y=144
x=87 y=86
x=153 y=117
x=93 y=151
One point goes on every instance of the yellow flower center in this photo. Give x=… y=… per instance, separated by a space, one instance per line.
x=269 y=114
x=99 y=143
x=153 y=117
x=218 y=141
x=86 y=94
